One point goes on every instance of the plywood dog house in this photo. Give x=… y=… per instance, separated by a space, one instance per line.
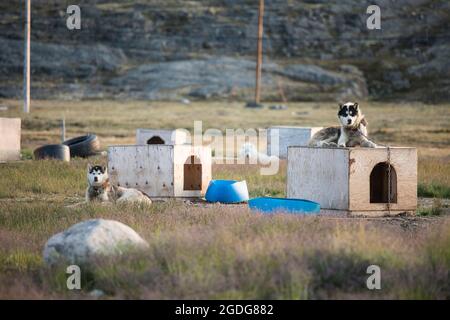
x=159 y=136
x=354 y=180
x=288 y=136
x=10 y=139
x=161 y=171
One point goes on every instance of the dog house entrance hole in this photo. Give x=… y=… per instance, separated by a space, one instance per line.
x=379 y=184
x=155 y=140
x=193 y=174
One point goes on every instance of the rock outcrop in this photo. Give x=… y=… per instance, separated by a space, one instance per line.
x=313 y=49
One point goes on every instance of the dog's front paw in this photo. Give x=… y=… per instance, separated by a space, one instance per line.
x=329 y=145
x=368 y=144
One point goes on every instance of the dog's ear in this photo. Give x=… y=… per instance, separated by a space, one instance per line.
x=105 y=169
x=340 y=106
x=89 y=167
x=356 y=105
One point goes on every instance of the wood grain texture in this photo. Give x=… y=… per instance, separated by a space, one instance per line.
x=319 y=174
x=339 y=178
x=170 y=137
x=287 y=137
x=10 y=132
x=362 y=162
x=157 y=170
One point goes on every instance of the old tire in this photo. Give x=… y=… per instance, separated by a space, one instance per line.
x=52 y=151
x=83 y=146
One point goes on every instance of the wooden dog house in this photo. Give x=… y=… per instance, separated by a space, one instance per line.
x=159 y=136
x=10 y=139
x=288 y=136
x=359 y=181
x=161 y=171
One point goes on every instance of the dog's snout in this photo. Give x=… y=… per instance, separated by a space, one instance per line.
x=349 y=121
x=96 y=179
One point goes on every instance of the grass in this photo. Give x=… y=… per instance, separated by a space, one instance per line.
x=434 y=178
x=218 y=251
x=435 y=210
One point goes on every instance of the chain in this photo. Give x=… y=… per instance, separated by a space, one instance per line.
x=389 y=178
x=389 y=170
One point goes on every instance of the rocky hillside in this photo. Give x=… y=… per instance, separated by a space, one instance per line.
x=204 y=49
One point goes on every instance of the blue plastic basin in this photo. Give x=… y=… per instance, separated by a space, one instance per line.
x=274 y=205
x=227 y=191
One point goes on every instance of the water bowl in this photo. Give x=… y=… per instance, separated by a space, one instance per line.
x=227 y=191
x=283 y=205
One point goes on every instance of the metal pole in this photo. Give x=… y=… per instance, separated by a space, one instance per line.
x=259 y=54
x=26 y=64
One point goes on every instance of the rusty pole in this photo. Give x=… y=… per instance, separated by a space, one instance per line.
x=259 y=53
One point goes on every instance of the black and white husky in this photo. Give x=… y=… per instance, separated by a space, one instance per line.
x=351 y=133
x=100 y=189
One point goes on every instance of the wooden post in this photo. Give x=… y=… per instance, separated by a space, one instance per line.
x=26 y=64
x=259 y=53
x=63 y=129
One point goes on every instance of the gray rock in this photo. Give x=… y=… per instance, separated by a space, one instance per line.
x=312 y=73
x=120 y=41
x=96 y=293
x=398 y=81
x=55 y=60
x=438 y=64
x=90 y=239
x=221 y=77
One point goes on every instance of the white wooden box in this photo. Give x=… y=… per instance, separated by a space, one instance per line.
x=288 y=136
x=158 y=136
x=354 y=180
x=161 y=171
x=10 y=139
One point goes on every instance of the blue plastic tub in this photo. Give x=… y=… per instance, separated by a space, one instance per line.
x=274 y=205
x=227 y=191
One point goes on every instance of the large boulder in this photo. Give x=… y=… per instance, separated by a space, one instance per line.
x=90 y=239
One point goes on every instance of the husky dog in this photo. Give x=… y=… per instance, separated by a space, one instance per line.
x=352 y=132
x=100 y=189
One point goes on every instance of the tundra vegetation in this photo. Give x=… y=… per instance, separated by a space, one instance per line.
x=224 y=251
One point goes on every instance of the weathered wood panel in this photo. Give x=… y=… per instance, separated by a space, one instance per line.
x=147 y=168
x=158 y=170
x=202 y=159
x=287 y=137
x=319 y=174
x=10 y=132
x=339 y=178
x=363 y=161
x=169 y=137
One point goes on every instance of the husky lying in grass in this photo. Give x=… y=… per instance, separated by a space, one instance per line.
x=351 y=133
x=100 y=189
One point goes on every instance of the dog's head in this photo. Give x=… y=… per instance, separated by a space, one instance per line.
x=97 y=175
x=349 y=114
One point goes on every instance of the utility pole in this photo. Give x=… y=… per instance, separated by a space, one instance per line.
x=26 y=58
x=259 y=53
